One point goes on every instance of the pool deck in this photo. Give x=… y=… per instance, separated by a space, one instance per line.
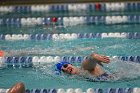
x=28 y=2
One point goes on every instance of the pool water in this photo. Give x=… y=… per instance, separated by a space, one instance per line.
x=42 y=76
x=72 y=29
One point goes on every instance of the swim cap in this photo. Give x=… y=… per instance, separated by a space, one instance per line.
x=60 y=64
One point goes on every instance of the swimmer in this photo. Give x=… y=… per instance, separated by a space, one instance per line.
x=17 y=88
x=93 y=65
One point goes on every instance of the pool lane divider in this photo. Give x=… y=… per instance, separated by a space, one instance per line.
x=29 y=61
x=71 y=21
x=79 y=7
x=79 y=90
x=67 y=36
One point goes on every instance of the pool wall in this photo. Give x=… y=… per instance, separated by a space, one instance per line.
x=23 y=2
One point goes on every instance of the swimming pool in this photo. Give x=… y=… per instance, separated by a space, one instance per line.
x=70 y=40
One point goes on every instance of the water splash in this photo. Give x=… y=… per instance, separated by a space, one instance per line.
x=124 y=69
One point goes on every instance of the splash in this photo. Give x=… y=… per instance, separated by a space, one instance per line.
x=123 y=69
x=120 y=70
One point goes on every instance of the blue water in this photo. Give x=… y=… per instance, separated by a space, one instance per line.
x=42 y=76
x=73 y=29
x=78 y=47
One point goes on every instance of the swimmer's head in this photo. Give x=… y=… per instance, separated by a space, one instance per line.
x=66 y=67
x=60 y=65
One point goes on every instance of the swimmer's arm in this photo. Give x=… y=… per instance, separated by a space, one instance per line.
x=17 y=88
x=100 y=58
x=91 y=62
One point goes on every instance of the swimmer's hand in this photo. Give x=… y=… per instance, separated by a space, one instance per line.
x=101 y=58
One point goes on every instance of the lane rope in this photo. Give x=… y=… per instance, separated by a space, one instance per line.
x=67 y=36
x=71 y=21
x=29 y=61
x=87 y=7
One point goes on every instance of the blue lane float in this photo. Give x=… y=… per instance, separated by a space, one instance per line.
x=78 y=90
x=67 y=36
x=29 y=61
x=86 y=7
x=71 y=21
